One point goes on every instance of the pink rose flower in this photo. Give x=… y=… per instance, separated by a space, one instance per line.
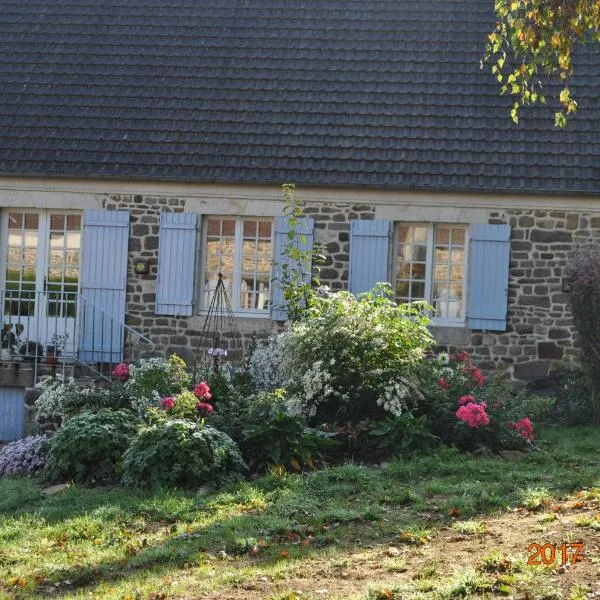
x=473 y=415
x=466 y=399
x=205 y=406
x=202 y=391
x=121 y=372
x=168 y=403
x=443 y=383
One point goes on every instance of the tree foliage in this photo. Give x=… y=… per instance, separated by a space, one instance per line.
x=533 y=42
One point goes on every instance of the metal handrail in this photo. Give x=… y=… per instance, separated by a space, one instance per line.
x=76 y=328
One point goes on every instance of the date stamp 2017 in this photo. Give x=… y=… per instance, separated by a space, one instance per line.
x=550 y=554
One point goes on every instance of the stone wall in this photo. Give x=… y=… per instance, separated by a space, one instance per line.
x=539 y=333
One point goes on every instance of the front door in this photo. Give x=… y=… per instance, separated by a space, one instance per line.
x=41 y=281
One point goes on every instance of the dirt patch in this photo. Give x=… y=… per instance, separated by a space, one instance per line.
x=350 y=574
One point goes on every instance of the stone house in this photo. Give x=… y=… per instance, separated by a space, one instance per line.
x=144 y=145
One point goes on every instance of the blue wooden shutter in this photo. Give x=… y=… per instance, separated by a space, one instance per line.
x=369 y=254
x=12 y=413
x=103 y=285
x=489 y=257
x=176 y=260
x=304 y=227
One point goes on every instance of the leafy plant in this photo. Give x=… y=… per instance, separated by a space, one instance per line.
x=23 y=457
x=403 y=435
x=179 y=453
x=297 y=271
x=352 y=358
x=284 y=440
x=89 y=447
x=583 y=274
x=155 y=378
x=62 y=398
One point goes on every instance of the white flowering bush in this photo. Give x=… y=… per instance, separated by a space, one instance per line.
x=353 y=358
x=23 y=457
x=265 y=365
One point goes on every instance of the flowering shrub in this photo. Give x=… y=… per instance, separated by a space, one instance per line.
x=153 y=379
x=202 y=391
x=465 y=409
x=62 y=398
x=121 y=372
x=183 y=454
x=89 y=446
x=473 y=414
x=266 y=365
x=23 y=457
x=353 y=358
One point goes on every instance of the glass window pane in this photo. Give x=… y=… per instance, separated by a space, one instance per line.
x=404 y=235
x=15 y=220
x=417 y=290
x=31 y=239
x=441 y=272
x=404 y=251
x=457 y=256
x=457 y=272
x=458 y=237
x=264 y=229
x=402 y=289
x=56 y=257
x=74 y=240
x=72 y=257
x=420 y=235
x=441 y=255
x=30 y=256
x=442 y=235
x=57 y=240
x=32 y=221
x=74 y=222
x=15 y=239
x=214 y=227
x=228 y=227
x=57 y=222
x=264 y=249
x=15 y=255
x=250 y=228
x=418 y=271
x=404 y=271
x=419 y=253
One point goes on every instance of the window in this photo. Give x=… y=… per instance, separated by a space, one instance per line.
x=429 y=264
x=241 y=249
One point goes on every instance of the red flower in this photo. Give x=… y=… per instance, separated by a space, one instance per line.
x=473 y=415
x=443 y=383
x=461 y=356
x=525 y=428
x=168 y=403
x=202 y=391
x=205 y=406
x=466 y=399
x=121 y=372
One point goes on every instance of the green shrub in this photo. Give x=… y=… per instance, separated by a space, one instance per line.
x=573 y=397
x=366 y=349
x=402 y=436
x=284 y=440
x=453 y=383
x=89 y=447
x=62 y=398
x=180 y=453
x=155 y=378
x=583 y=274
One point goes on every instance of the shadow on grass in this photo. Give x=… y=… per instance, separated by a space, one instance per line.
x=297 y=516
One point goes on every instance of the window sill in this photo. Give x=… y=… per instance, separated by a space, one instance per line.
x=242 y=314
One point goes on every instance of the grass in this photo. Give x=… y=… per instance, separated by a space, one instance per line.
x=333 y=523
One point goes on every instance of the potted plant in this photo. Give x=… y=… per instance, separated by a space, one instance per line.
x=55 y=347
x=9 y=339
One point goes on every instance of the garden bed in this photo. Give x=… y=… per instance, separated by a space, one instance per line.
x=447 y=524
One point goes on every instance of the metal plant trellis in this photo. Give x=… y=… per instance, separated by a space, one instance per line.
x=220 y=340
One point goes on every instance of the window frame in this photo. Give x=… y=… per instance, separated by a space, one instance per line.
x=430 y=265
x=263 y=313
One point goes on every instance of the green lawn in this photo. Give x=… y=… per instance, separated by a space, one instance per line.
x=271 y=536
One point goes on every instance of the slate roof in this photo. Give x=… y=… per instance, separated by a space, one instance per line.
x=377 y=93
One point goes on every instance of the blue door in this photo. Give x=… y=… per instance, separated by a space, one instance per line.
x=12 y=413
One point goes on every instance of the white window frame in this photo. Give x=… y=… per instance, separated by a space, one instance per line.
x=429 y=265
x=264 y=313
